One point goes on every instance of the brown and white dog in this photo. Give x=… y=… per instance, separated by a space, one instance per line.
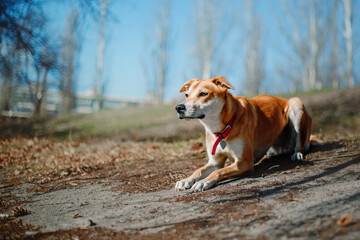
x=241 y=129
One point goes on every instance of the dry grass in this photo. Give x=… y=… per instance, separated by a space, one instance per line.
x=335 y=114
x=43 y=161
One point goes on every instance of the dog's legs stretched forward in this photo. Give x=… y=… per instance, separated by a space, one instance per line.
x=242 y=164
x=213 y=165
x=232 y=171
x=213 y=172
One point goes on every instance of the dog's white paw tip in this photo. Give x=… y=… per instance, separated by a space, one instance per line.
x=183 y=185
x=297 y=156
x=202 y=186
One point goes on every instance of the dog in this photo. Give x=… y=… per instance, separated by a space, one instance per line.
x=241 y=129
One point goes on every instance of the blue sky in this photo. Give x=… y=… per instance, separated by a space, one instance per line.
x=129 y=35
x=127 y=41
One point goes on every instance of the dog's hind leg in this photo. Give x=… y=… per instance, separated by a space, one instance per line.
x=301 y=123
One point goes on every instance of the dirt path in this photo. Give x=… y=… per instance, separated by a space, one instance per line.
x=281 y=200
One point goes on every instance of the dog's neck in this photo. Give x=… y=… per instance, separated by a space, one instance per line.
x=214 y=122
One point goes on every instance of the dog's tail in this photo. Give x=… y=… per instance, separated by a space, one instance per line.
x=315 y=141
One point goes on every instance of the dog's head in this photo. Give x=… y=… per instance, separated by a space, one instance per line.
x=203 y=97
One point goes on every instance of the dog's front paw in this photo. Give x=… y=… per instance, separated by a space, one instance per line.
x=184 y=184
x=202 y=186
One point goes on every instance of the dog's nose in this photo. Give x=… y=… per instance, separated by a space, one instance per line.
x=180 y=108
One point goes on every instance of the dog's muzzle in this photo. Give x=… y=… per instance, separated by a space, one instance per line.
x=181 y=109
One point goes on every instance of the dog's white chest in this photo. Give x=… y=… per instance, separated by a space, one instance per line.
x=232 y=149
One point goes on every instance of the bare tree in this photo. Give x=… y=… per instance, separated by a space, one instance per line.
x=210 y=33
x=7 y=73
x=21 y=24
x=334 y=58
x=254 y=66
x=163 y=39
x=307 y=29
x=314 y=48
x=69 y=54
x=348 y=19
x=104 y=5
x=156 y=67
x=43 y=65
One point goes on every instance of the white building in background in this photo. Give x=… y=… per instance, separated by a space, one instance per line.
x=22 y=106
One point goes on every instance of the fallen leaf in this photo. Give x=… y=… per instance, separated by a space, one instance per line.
x=86 y=169
x=92 y=223
x=251 y=214
x=30 y=143
x=344 y=221
x=65 y=173
x=4 y=216
x=19 y=211
x=76 y=215
x=322 y=180
x=295 y=200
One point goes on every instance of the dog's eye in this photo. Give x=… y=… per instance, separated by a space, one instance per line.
x=202 y=94
x=186 y=95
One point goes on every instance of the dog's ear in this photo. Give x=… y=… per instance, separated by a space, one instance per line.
x=187 y=85
x=222 y=82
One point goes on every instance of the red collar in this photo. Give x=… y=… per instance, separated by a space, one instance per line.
x=223 y=134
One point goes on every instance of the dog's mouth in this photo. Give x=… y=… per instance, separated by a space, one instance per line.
x=191 y=117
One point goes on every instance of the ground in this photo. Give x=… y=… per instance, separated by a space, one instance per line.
x=112 y=175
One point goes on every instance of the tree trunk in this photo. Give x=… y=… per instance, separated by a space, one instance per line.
x=253 y=65
x=313 y=68
x=349 y=42
x=43 y=103
x=70 y=48
x=100 y=55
